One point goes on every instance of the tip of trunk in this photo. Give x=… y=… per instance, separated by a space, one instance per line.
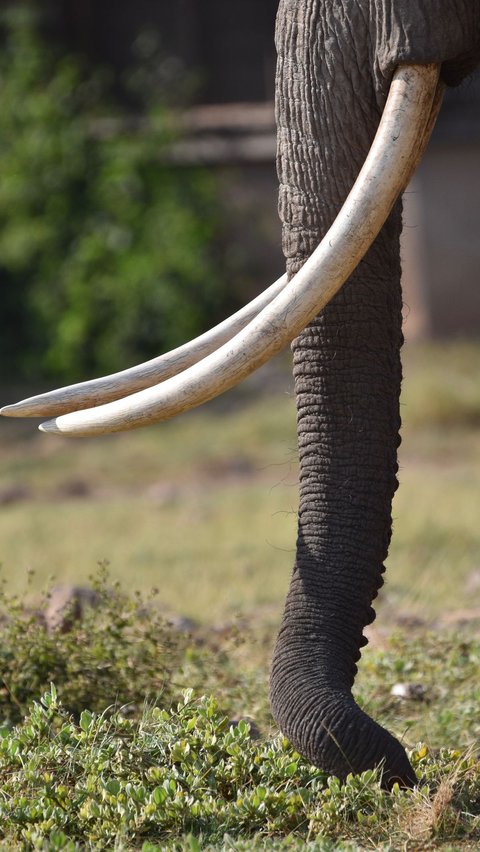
x=327 y=727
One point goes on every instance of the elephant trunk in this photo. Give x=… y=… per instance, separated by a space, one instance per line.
x=347 y=380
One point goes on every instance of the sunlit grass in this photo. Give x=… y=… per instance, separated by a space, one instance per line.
x=436 y=544
x=204 y=507
x=204 y=510
x=442 y=384
x=211 y=553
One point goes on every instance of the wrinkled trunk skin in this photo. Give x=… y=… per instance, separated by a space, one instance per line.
x=331 y=90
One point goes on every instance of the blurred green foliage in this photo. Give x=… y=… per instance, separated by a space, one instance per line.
x=107 y=251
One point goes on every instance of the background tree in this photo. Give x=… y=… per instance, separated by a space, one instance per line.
x=108 y=253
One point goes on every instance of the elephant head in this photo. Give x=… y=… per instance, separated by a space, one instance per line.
x=341 y=64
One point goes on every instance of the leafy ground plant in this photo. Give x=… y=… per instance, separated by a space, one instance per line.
x=120 y=652
x=185 y=778
x=151 y=766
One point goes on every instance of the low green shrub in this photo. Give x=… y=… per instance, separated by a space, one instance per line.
x=119 y=755
x=109 y=782
x=121 y=652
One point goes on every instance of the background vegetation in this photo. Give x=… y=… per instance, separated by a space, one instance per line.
x=108 y=253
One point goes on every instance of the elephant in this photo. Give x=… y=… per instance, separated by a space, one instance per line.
x=349 y=72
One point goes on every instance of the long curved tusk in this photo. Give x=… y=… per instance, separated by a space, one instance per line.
x=402 y=132
x=432 y=118
x=117 y=385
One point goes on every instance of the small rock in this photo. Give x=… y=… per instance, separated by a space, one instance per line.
x=407 y=621
x=472 y=583
x=377 y=636
x=14 y=493
x=182 y=623
x=67 y=605
x=163 y=493
x=461 y=616
x=74 y=488
x=408 y=691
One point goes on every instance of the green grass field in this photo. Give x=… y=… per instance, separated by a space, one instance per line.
x=203 y=509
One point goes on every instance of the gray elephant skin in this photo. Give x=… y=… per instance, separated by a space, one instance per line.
x=336 y=61
x=335 y=64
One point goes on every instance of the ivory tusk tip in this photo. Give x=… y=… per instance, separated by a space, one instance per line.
x=50 y=426
x=8 y=411
x=14 y=410
x=20 y=409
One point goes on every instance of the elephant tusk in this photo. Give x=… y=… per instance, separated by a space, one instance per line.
x=435 y=109
x=117 y=385
x=398 y=144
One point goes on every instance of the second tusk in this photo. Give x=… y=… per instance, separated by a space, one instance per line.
x=402 y=135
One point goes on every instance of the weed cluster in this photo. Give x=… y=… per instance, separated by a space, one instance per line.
x=119 y=654
x=153 y=766
x=109 y=781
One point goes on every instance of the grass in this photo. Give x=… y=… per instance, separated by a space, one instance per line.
x=195 y=543
x=204 y=509
x=120 y=755
x=187 y=771
x=208 y=502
